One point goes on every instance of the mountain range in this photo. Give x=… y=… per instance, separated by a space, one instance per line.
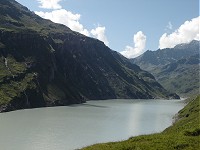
x=176 y=69
x=47 y=64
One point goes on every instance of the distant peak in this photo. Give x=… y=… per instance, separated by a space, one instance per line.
x=184 y=45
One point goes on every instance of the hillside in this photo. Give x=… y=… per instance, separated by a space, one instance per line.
x=183 y=134
x=181 y=76
x=47 y=64
x=176 y=68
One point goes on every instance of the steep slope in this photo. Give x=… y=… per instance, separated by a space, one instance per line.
x=47 y=64
x=181 y=76
x=177 y=69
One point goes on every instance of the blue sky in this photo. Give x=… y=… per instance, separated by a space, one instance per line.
x=120 y=20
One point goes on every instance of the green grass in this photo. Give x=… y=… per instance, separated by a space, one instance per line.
x=16 y=68
x=11 y=88
x=9 y=91
x=183 y=134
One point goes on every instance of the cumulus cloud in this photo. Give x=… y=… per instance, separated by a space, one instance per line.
x=73 y=22
x=99 y=33
x=65 y=17
x=187 y=32
x=139 y=40
x=50 y=4
x=69 y=19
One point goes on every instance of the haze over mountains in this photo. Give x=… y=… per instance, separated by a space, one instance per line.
x=177 y=69
x=47 y=64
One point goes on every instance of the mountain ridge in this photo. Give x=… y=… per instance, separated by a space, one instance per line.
x=175 y=68
x=47 y=64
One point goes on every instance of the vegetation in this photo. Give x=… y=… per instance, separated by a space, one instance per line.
x=176 y=69
x=14 y=79
x=183 y=134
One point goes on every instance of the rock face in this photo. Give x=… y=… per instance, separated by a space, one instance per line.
x=177 y=69
x=47 y=64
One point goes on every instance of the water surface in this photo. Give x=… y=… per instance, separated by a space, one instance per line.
x=72 y=127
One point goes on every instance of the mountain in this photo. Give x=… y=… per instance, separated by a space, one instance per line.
x=177 y=69
x=181 y=76
x=152 y=59
x=47 y=64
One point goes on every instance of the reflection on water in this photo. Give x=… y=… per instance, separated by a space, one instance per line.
x=75 y=126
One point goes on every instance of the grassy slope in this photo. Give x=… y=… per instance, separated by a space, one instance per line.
x=10 y=87
x=184 y=134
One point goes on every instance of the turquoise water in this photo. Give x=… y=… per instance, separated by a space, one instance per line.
x=76 y=126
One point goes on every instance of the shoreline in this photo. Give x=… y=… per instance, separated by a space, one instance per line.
x=169 y=135
x=9 y=108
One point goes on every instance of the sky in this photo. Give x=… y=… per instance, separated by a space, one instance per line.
x=128 y=26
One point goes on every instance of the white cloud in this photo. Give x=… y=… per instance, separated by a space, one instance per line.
x=65 y=17
x=184 y=34
x=99 y=33
x=50 y=4
x=140 y=43
x=69 y=19
x=72 y=21
x=169 y=26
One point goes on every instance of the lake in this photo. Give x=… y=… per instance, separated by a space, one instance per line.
x=76 y=126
